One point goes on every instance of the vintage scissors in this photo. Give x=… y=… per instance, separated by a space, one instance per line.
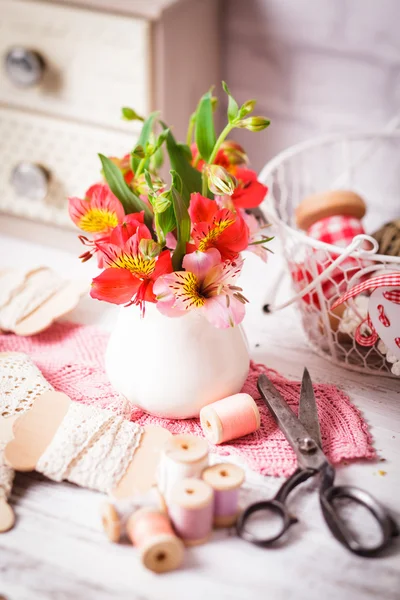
x=303 y=434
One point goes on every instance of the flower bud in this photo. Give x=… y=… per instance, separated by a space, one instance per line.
x=149 y=248
x=141 y=186
x=161 y=202
x=254 y=123
x=246 y=108
x=220 y=182
x=233 y=153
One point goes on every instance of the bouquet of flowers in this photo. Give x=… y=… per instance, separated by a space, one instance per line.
x=176 y=244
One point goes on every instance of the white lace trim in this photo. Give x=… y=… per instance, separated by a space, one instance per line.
x=21 y=383
x=11 y=281
x=92 y=448
x=39 y=287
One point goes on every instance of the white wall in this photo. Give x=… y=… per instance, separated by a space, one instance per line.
x=314 y=66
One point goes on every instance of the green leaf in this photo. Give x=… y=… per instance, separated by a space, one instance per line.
x=186 y=151
x=144 y=137
x=128 y=114
x=182 y=224
x=122 y=191
x=161 y=138
x=233 y=107
x=191 y=178
x=205 y=131
x=157 y=160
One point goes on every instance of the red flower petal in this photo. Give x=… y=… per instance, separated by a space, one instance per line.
x=250 y=192
x=114 y=285
x=201 y=208
x=163 y=265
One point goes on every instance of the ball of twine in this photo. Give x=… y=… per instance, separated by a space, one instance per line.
x=388 y=238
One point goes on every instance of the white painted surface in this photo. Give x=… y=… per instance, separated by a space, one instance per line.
x=314 y=66
x=58 y=550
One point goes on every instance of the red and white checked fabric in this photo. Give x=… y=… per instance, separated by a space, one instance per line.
x=387 y=280
x=337 y=231
x=393 y=296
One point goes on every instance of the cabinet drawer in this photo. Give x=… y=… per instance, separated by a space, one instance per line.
x=66 y=151
x=94 y=63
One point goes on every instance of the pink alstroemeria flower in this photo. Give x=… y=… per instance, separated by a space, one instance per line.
x=206 y=284
x=131 y=270
x=99 y=212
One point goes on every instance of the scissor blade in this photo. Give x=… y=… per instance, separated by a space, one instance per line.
x=289 y=424
x=308 y=413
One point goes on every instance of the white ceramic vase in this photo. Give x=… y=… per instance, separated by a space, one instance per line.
x=172 y=367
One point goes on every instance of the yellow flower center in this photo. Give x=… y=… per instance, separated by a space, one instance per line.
x=213 y=234
x=97 y=220
x=187 y=289
x=139 y=266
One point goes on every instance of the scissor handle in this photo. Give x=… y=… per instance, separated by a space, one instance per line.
x=276 y=506
x=338 y=527
x=273 y=506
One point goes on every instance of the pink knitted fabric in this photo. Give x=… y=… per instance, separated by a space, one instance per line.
x=70 y=356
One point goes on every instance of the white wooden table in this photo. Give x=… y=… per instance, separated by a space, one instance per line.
x=57 y=549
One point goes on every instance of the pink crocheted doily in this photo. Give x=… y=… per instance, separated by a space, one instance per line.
x=71 y=357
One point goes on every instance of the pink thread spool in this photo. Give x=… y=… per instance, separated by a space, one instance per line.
x=115 y=512
x=183 y=456
x=230 y=418
x=151 y=532
x=225 y=479
x=191 y=510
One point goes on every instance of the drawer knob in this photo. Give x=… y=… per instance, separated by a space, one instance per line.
x=30 y=180
x=24 y=67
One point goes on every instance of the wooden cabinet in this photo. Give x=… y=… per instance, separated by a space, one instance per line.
x=67 y=71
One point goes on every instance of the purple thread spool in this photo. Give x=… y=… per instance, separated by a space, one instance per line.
x=191 y=510
x=225 y=479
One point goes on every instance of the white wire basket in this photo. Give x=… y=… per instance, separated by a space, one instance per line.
x=369 y=164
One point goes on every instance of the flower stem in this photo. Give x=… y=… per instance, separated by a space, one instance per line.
x=227 y=129
x=204 y=183
x=189 y=134
x=159 y=231
x=141 y=166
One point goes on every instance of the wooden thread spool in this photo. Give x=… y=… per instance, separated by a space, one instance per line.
x=225 y=479
x=116 y=513
x=329 y=204
x=230 y=418
x=183 y=456
x=151 y=532
x=191 y=510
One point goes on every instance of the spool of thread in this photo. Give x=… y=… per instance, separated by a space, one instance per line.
x=152 y=534
x=183 y=456
x=225 y=479
x=334 y=218
x=230 y=418
x=115 y=513
x=329 y=204
x=191 y=510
